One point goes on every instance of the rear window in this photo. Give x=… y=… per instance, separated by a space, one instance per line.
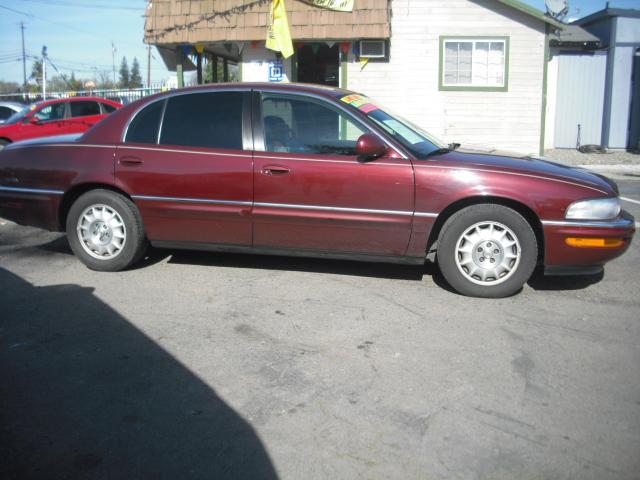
x=84 y=108
x=106 y=108
x=144 y=126
x=211 y=120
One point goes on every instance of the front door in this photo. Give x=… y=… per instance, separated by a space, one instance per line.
x=193 y=181
x=319 y=64
x=51 y=120
x=312 y=193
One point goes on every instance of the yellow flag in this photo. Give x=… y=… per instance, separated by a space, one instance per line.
x=278 y=35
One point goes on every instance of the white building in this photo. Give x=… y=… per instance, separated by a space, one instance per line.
x=469 y=71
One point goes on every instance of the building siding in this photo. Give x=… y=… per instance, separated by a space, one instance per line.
x=408 y=83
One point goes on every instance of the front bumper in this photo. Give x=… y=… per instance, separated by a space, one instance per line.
x=561 y=258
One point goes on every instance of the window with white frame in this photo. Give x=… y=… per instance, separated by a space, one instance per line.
x=474 y=62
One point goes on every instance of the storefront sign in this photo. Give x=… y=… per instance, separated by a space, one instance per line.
x=339 y=5
x=276 y=71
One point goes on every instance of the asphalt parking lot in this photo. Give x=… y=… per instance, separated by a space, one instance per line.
x=199 y=365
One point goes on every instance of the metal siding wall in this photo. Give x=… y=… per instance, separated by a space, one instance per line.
x=580 y=99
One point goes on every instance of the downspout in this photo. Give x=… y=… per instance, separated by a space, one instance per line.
x=545 y=68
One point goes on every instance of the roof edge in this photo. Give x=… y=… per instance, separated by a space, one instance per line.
x=534 y=12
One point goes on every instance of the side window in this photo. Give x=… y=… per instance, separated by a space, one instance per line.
x=211 y=120
x=106 y=108
x=84 y=108
x=54 y=111
x=5 y=112
x=301 y=125
x=144 y=126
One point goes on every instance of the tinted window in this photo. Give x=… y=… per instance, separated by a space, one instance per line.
x=212 y=120
x=84 y=109
x=5 y=112
x=301 y=125
x=108 y=108
x=54 y=111
x=144 y=126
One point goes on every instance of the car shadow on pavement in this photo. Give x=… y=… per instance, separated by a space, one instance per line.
x=300 y=264
x=539 y=281
x=85 y=394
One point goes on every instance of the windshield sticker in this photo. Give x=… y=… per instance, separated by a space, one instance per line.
x=359 y=102
x=369 y=107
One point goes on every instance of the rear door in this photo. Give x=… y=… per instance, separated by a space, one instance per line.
x=312 y=193
x=83 y=114
x=186 y=161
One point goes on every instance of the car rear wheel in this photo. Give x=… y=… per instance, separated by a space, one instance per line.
x=105 y=231
x=487 y=250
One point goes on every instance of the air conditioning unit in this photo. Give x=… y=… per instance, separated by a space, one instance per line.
x=373 y=49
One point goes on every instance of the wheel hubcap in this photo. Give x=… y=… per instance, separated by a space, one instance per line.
x=488 y=253
x=101 y=232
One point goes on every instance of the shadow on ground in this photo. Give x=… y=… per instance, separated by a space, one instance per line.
x=84 y=394
x=539 y=281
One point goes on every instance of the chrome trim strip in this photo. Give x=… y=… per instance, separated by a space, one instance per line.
x=332 y=209
x=190 y=200
x=616 y=223
x=347 y=162
x=418 y=165
x=173 y=150
x=31 y=190
x=283 y=205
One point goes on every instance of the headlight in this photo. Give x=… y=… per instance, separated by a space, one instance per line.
x=597 y=209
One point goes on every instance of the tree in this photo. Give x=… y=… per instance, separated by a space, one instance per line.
x=135 y=80
x=9 y=87
x=124 y=73
x=36 y=72
x=104 y=80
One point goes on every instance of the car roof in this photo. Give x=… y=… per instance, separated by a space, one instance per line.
x=12 y=104
x=74 y=99
x=324 y=90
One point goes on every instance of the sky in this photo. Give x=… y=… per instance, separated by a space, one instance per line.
x=79 y=33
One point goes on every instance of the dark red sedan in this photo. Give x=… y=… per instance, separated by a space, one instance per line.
x=314 y=171
x=55 y=117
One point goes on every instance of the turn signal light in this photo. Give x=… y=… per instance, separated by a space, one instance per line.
x=595 y=242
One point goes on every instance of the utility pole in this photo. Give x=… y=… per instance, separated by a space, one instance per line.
x=44 y=72
x=149 y=66
x=24 y=60
x=113 y=62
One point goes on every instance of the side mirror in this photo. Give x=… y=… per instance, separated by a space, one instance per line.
x=35 y=120
x=369 y=147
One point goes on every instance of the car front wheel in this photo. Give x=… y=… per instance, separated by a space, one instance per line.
x=105 y=231
x=487 y=250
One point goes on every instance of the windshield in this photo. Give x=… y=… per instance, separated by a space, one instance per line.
x=16 y=117
x=412 y=137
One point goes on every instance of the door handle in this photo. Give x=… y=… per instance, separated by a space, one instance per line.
x=129 y=160
x=275 y=170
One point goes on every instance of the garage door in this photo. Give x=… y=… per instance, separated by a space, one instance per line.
x=580 y=99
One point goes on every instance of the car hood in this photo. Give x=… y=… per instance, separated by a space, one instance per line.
x=497 y=160
x=70 y=138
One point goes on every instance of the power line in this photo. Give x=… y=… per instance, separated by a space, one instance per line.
x=80 y=5
x=31 y=15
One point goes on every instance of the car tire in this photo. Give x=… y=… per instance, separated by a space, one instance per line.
x=3 y=143
x=105 y=231
x=487 y=250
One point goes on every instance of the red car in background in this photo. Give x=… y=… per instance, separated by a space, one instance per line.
x=55 y=117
